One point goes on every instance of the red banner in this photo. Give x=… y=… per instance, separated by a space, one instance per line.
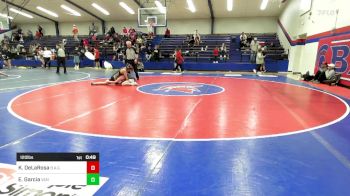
x=336 y=50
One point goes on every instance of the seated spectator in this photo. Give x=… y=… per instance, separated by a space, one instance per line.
x=329 y=74
x=148 y=53
x=191 y=42
x=215 y=54
x=156 y=53
x=320 y=72
x=140 y=66
x=167 y=33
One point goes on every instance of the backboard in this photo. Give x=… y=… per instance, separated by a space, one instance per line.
x=151 y=16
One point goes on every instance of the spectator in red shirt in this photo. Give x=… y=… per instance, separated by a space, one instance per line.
x=75 y=32
x=125 y=31
x=167 y=33
x=179 y=60
x=97 y=58
x=216 y=54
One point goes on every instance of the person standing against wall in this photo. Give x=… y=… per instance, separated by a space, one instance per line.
x=61 y=59
x=131 y=57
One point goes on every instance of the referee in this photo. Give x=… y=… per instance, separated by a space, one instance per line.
x=61 y=59
x=131 y=57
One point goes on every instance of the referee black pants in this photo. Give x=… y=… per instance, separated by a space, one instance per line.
x=132 y=62
x=61 y=61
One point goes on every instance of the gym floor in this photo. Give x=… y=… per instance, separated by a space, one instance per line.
x=185 y=134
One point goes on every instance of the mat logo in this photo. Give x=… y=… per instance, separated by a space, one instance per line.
x=9 y=186
x=190 y=89
x=180 y=89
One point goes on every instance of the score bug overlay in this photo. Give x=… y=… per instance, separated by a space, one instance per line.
x=58 y=168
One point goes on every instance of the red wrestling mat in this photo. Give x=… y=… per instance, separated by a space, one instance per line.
x=180 y=107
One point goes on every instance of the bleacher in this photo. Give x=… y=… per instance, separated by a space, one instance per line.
x=275 y=52
x=196 y=53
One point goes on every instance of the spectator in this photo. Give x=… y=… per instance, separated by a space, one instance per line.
x=197 y=38
x=97 y=58
x=249 y=39
x=47 y=57
x=254 y=45
x=179 y=60
x=140 y=66
x=40 y=31
x=6 y=56
x=40 y=54
x=148 y=53
x=215 y=54
x=243 y=40
x=260 y=61
x=223 y=52
x=111 y=31
x=125 y=32
x=191 y=42
x=30 y=35
x=327 y=75
x=76 y=57
x=156 y=53
x=330 y=73
x=92 y=29
x=167 y=33
x=61 y=59
x=319 y=74
x=75 y=32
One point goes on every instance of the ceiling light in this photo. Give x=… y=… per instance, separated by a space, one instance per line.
x=6 y=16
x=47 y=11
x=160 y=7
x=264 y=4
x=99 y=8
x=127 y=8
x=191 y=6
x=21 y=13
x=70 y=10
x=229 y=5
